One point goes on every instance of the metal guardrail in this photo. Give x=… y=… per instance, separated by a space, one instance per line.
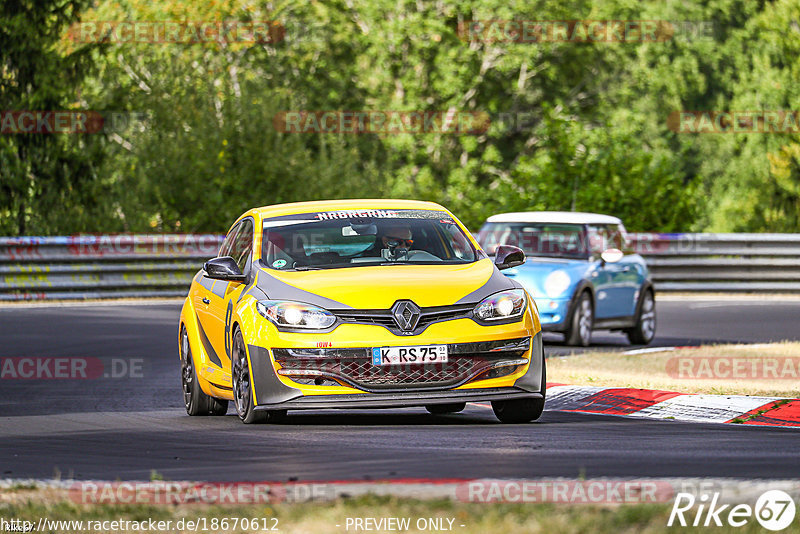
x=120 y=266
x=101 y=266
x=722 y=262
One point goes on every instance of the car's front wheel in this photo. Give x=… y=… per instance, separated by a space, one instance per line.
x=645 y=329
x=441 y=409
x=196 y=402
x=579 y=331
x=523 y=410
x=242 y=387
x=518 y=411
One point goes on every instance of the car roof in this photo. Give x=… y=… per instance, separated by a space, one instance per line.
x=342 y=205
x=563 y=217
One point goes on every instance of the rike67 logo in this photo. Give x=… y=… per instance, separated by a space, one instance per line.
x=774 y=510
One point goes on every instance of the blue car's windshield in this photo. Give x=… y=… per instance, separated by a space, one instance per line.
x=537 y=239
x=364 y=237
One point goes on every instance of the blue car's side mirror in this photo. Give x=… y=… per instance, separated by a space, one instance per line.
x=507 y=256
x=612 y=255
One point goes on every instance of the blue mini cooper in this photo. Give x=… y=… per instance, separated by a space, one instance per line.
x=579 y=271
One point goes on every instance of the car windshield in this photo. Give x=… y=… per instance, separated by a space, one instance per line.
x=537 y=239
x=353 y=238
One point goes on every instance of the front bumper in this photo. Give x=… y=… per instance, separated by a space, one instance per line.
x=553 y=313
x=275 y=392
x=354 y=367
x=401 y=400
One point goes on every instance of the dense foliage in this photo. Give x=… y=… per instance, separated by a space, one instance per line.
x=575 y=125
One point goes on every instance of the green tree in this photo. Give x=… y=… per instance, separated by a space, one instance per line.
x=48 y=183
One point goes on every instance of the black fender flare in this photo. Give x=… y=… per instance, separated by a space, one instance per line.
x=268 y=387
x=584 y=285
x=646 y=286
x=532 y=380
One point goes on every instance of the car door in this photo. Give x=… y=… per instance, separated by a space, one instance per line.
x=225 y=293
x=207 y=304
x=623 y=276
x=627 y=277
x=601 y=273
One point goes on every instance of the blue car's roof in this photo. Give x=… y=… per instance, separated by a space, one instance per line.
x=558 y=217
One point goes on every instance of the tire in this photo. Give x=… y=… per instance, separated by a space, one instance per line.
x=242 y=387
x=523 y=410
x=645 y=329
x=195 y=401
x=579 y=332
x=441 y=409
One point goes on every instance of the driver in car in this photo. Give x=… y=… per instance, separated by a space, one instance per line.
x=396 y=238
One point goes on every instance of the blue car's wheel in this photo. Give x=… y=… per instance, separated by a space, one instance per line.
x=579 y=330
x=645 y=329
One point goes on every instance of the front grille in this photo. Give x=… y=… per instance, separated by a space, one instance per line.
x=466 y=361
x=384 y=318
x=359 y=318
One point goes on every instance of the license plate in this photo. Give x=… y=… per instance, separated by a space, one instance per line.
x=405 y=355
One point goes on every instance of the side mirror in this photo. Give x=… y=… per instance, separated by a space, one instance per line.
x=612 y=255
x=223 y=268
x=507 y=256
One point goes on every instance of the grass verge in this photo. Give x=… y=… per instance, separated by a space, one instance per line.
x=331 y=517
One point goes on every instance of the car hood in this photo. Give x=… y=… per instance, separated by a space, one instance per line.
x=378 y=287
x=534 y=272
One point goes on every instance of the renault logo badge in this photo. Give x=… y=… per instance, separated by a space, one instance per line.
x=406 y=315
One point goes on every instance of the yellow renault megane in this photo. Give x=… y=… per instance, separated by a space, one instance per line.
x=358 y=304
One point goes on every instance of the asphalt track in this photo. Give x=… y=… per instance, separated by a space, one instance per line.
x=124 y=428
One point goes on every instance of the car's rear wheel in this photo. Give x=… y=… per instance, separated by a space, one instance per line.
x=242 y=387
x=645 y=329
x=581 y=323
x=523 y=410
x=196 y=402
x=441 y=409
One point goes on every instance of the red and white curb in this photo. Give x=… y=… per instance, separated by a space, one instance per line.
x=655 y=404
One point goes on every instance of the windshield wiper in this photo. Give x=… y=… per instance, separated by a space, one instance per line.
x=307 y=268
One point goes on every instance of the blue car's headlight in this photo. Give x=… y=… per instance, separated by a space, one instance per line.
x=503 y=305
x=556 y=283
x=288 y=314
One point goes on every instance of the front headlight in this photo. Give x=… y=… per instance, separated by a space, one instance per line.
x=556 y=283
x=503 y=305
x=288 y=314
